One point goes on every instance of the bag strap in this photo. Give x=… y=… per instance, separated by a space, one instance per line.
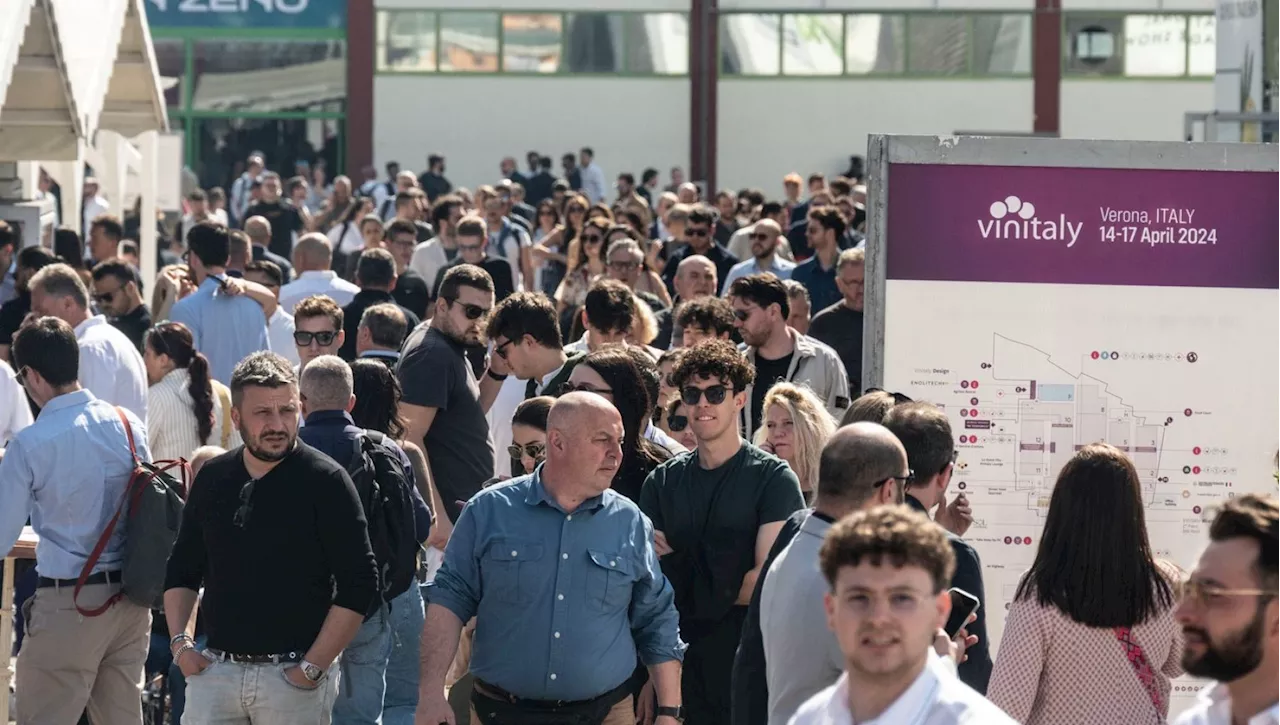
x=224 y=398
x=1141 y=667
x=99 y=547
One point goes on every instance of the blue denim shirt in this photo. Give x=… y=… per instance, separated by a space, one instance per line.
x=226 y=328
x=820 y=282
x=333 y=432
x=564 y=601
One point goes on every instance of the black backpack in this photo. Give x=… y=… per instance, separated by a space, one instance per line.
x=383 y=487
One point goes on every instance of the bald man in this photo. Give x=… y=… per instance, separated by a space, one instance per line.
x=695 y=277
x=765 y=237
x=568 y=593
x=313 y=257
x=259 y=231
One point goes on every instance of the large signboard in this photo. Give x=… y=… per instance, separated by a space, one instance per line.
x=1050 y=294
x=247 y=13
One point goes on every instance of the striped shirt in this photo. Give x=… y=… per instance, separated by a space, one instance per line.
x=171 y=418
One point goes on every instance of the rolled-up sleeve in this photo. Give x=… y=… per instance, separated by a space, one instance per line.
x=457 y=585
x=345 y=543
x=655 y=624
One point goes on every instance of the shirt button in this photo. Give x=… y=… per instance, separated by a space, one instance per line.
x=514 y=552
x=560 y=596
x=553 y=675
x=569 y=517
x=557 y=635
x=613 y=563
x=564 y=555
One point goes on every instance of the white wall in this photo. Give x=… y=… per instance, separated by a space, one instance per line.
x=631 y=123
x=769 y=128
x=1141 y=110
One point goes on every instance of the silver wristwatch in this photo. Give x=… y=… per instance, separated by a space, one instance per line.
x=313 y=673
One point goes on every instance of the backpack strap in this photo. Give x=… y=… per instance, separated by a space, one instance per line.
x=1141 y=667
x=99 y=547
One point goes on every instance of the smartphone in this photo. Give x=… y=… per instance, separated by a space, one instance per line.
x=962 y=605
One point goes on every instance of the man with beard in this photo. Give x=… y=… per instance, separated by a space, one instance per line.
x=1229 y=617
x=840 y=325
x=275 y=534
x=765 y=236
x=441 y=405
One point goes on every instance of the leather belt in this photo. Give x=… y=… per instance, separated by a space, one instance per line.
x=219 y=655
x=493 y=692
x=102 y=577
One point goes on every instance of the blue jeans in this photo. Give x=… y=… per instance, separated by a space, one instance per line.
x=407 y=618
x=160 y=658
x=364 y=673
x=228 y=693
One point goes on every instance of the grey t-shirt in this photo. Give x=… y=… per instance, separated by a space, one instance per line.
x=435 y=374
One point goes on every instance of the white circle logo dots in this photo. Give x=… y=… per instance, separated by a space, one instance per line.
x=1013 y=205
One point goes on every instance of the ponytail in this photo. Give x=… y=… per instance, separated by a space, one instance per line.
x=201 y=391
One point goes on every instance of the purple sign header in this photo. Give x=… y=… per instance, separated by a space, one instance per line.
x=1083 y=226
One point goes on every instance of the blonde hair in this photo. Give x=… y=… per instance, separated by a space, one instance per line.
x=645 y=327
x=812 y=426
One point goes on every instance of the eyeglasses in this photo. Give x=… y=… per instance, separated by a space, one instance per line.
x=907 y=480
x=501 y=350
x=1203 y=593
x=677 y=423
x=536 y=451
x=470 y=247
x=473 y=312
x=715 y=394
x=623 y=265
x=898 y=398
x=584 y=388
x=592 y=238
x=21 y=375
x=696 y=232
x=241 y=519
x=302 y=338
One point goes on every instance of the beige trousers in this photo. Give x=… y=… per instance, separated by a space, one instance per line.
x=69 y=661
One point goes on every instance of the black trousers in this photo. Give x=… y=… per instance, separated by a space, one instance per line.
x=706 y=679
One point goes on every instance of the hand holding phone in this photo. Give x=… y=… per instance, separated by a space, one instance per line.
x=963 y=604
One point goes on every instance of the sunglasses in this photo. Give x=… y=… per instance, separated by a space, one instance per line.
x=501 y=350
x=536 y=451
x=583 y=388
x=21 y=375
x=302 y=338
x=105 y=297
x=241 y=519
x=907 y=480
x=677 y=423
x=715 y=394
x=898 y=398
x=592 y=238
x=473 y=312
x=742 y=315
x=692 y=232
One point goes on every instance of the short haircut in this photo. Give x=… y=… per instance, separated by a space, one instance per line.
x=719 y=358
x=630 y=246
x=888 y=535
x=587 y=150
x=840 y=186
x=762 y=290
x=770 y=208
x=268 y=268
x=526 y=313
x=210 y=241
x=870 y=408
x=464 y=275
x=443 y=208
x=850 y=258
x=627 y=177
x=319 y=306
x=197 y=195
x=326 y=383
x=703 y=214
x=648 y=175
x=35 y=258
x=817 y=178
x=115 y=267
x=60 y=280
x=796 y=291
x=926 y=434
x=405 y=198
x=401 y=226
x=828 y=217
x=471 y=226
x=679 y=213
x=386 y=324
x=48 y=346
x=375 y=268
x=110 y=225
x=609 y=306
x=217 y=194
x=533 y=412
x=713 y=314
x=262 y=369
x=850 y=468
x=1251 y=516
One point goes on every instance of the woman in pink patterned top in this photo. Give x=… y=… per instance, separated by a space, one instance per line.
x=1090 y=638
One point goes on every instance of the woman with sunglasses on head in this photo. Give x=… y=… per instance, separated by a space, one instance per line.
x=186 y=408
x=528 y=435
x=586 y=265
x=675 y=423
x=1091 y=637
x=796 y=427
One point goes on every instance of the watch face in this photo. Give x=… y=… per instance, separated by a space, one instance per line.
x=312 y=672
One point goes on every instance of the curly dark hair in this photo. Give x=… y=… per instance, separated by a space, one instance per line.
x=717 y=358
x=713 y=314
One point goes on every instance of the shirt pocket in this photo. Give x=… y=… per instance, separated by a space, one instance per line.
x=508 y=570
x=609 y=580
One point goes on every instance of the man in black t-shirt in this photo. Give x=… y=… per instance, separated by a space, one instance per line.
x=472 y=235
x=287 y=221
x=441 y=404
x=115 y=292
x=13 y=312
x=840 y=325
x=411 y=290
x=716 y=511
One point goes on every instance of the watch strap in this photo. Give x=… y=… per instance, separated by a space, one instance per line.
x=668 y=711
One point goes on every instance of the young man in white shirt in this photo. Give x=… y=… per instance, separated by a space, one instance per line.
x=1231 y=620
x=888 y=569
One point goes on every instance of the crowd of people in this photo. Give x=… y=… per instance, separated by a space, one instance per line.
x=524 y=454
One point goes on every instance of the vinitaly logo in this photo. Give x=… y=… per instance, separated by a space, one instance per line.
x=1013 y=218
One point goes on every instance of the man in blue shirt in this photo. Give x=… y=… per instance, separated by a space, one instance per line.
x=68 y=472
x=562 y=577
x=380 y=665
x=225 y=327
x=818 y=273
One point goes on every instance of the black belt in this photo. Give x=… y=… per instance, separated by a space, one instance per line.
x=221 y=656
x=102 y=577
x=494 y=692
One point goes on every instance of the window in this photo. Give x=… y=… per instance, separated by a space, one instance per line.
x=469 y=42
x=1155 y=45
x=1001 y=44
x=1202 y=50
x=268 y=75
x=750 y=44
x=171 y=62
x=812 y=44
x=1140 y=46
x=531 y=42
x=593 y=43
x=874 y=44
x=406 y=41
x=938 y=44
x=657 y=43
x=1095 y=45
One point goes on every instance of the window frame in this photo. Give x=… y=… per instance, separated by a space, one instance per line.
x=1122 y=44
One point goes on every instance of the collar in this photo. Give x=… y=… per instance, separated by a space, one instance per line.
x=392 y=354
x=89 y=322
x=537 y=494
x=325 y=274
x=817 y=524
x=67 y=400
x=915 y=504
x=320 y=417
x=1216 y=700
x=174 y=376
x=279 y=314
x=374 y=295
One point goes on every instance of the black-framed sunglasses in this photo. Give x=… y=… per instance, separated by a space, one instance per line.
x=501 y=350
x=907 y=480
x=715 y=394
x=898 y=398
x=696 y=232
x=567 y=388
x=677 y=423
x=592 y=239
x=473 y=312
x=105 y=297
x=742 y=315
x=536 y=451
x=302 y=338
x=241 y=519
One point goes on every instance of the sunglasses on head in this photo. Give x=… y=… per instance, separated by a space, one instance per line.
x=677 y=423
x=898 y=398
x=536 y=451
x=303 y=338
x=473 y=312
x=715 y=394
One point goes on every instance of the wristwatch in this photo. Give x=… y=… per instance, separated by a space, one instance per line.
x=495 y=376
x=672 y=712
x=313 y=673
